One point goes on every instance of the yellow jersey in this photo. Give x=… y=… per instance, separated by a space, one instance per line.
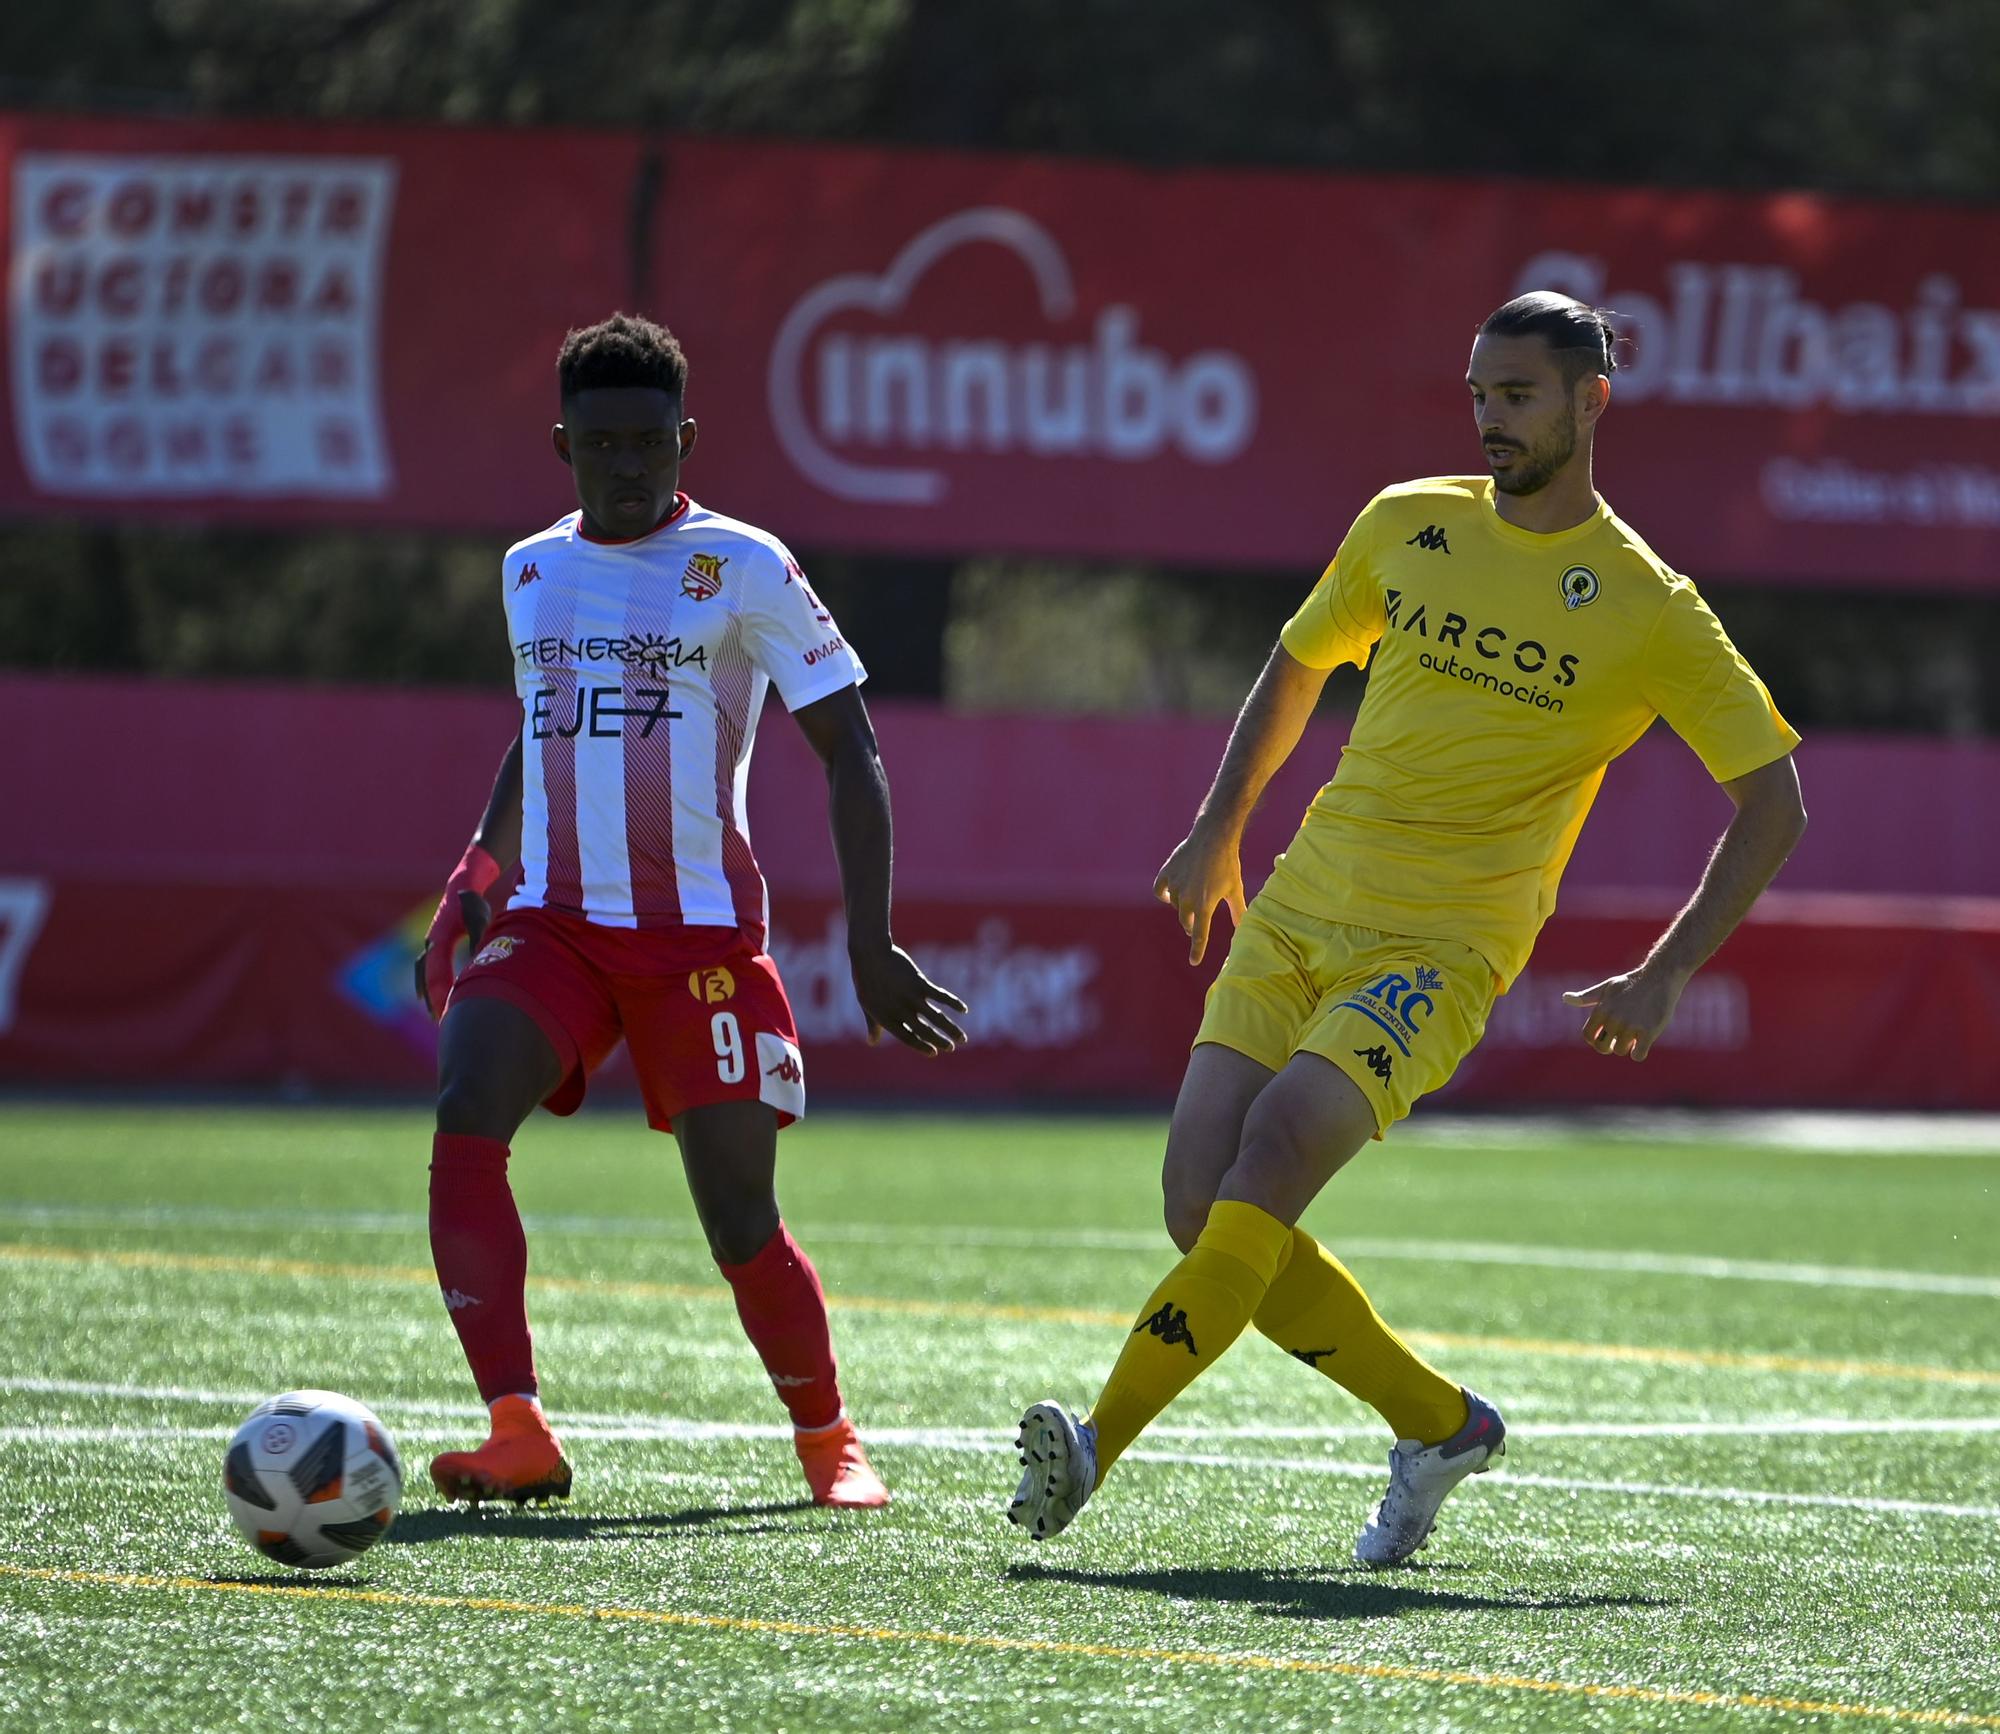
x=1509 y=669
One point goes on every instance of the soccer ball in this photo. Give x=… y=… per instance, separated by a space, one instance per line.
x=312 y=1479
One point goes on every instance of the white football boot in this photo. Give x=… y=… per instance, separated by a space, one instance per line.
x=1420 y=1476
x=1060 y=1455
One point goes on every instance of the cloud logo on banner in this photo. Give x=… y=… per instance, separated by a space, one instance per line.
x=1112 y=397
x=199 y=326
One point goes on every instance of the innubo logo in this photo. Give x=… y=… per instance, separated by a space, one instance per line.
x=902 y=394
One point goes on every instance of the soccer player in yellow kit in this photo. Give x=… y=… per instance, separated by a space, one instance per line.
x=1522 y=638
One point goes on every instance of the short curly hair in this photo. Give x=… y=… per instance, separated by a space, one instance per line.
x=626 y=349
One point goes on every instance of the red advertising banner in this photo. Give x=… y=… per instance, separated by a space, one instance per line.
x=933 y=352
x=221 y=885
x=1862 y=1005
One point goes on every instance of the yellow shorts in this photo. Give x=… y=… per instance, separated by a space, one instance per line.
x=1396 y=1014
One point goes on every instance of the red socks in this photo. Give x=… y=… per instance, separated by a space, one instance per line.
x=783 y=1310
x=481 y=1256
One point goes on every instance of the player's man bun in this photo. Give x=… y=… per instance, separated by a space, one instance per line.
x=626 y=349
x=1582 y=336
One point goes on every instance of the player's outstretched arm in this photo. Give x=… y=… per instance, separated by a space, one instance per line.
x=463 y=911
x=895 y=994
x=1627 y=1013
x=1207 y=870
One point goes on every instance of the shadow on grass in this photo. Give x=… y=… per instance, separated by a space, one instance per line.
x=1338 y=1593
x=440 y=1523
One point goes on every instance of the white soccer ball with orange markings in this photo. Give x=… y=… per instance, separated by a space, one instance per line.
x=312 y=1479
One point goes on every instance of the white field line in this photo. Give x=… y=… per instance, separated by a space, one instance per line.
x=953 y=1439
x=1483 y=1252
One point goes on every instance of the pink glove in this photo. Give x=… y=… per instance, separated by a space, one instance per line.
x=474 y=873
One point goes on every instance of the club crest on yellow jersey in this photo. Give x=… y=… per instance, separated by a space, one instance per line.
x=1579 y=587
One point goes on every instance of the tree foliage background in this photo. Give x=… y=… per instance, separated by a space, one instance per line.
x=1839 y=95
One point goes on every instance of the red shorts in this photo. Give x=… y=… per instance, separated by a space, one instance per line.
x=705 y=1015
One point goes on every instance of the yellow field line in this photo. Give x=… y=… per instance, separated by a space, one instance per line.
x=1249 y=1661
x=1635 y=1353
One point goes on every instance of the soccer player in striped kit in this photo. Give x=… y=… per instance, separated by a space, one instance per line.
x=645 y=632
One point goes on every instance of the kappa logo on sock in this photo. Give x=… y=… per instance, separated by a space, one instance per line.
x=1170 y=1325
x=792 y=1381
x=1311 y=1357
x=457 y=1298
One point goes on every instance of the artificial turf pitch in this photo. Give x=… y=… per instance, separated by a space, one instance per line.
x=1754 y=1396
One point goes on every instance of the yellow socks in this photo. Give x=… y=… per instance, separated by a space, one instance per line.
x=1315 y=1311
x=1191 y=1318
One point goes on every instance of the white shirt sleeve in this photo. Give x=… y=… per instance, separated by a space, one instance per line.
x=792 y=637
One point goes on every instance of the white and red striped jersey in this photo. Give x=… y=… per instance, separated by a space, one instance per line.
x=641 y=667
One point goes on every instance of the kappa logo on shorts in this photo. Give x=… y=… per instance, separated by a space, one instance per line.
x=1397 y=1005
x=712 y=986
x=782 y=1080
x=1380 y=1061
x=496 y=949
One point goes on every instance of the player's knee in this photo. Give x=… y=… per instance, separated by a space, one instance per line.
x=1271 y=1156
x=470 y=1107
x=740 y=1230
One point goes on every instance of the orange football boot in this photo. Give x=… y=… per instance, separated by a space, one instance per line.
x=519 y=1461
x=837 y=1469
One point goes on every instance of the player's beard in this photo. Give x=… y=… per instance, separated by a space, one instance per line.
x=1536 y=466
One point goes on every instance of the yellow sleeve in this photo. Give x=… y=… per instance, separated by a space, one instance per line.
x=1340 y=621
x=1695 y=678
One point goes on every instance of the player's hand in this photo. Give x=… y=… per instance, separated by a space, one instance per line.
x=1204 y=871
x=898 y=997
x=462 y=913
x=1625 y=1016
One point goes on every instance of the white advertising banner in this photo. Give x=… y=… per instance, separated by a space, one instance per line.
x=199 y=326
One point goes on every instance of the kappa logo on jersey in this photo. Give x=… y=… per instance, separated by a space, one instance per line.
x=703 y=577
x=712 y=986
x=1431 y=539
x=1429 y=980
x=1170 y=1325
x=529 y=573
x=1579 y=587
x=496 y=949
x=1392 y=1003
